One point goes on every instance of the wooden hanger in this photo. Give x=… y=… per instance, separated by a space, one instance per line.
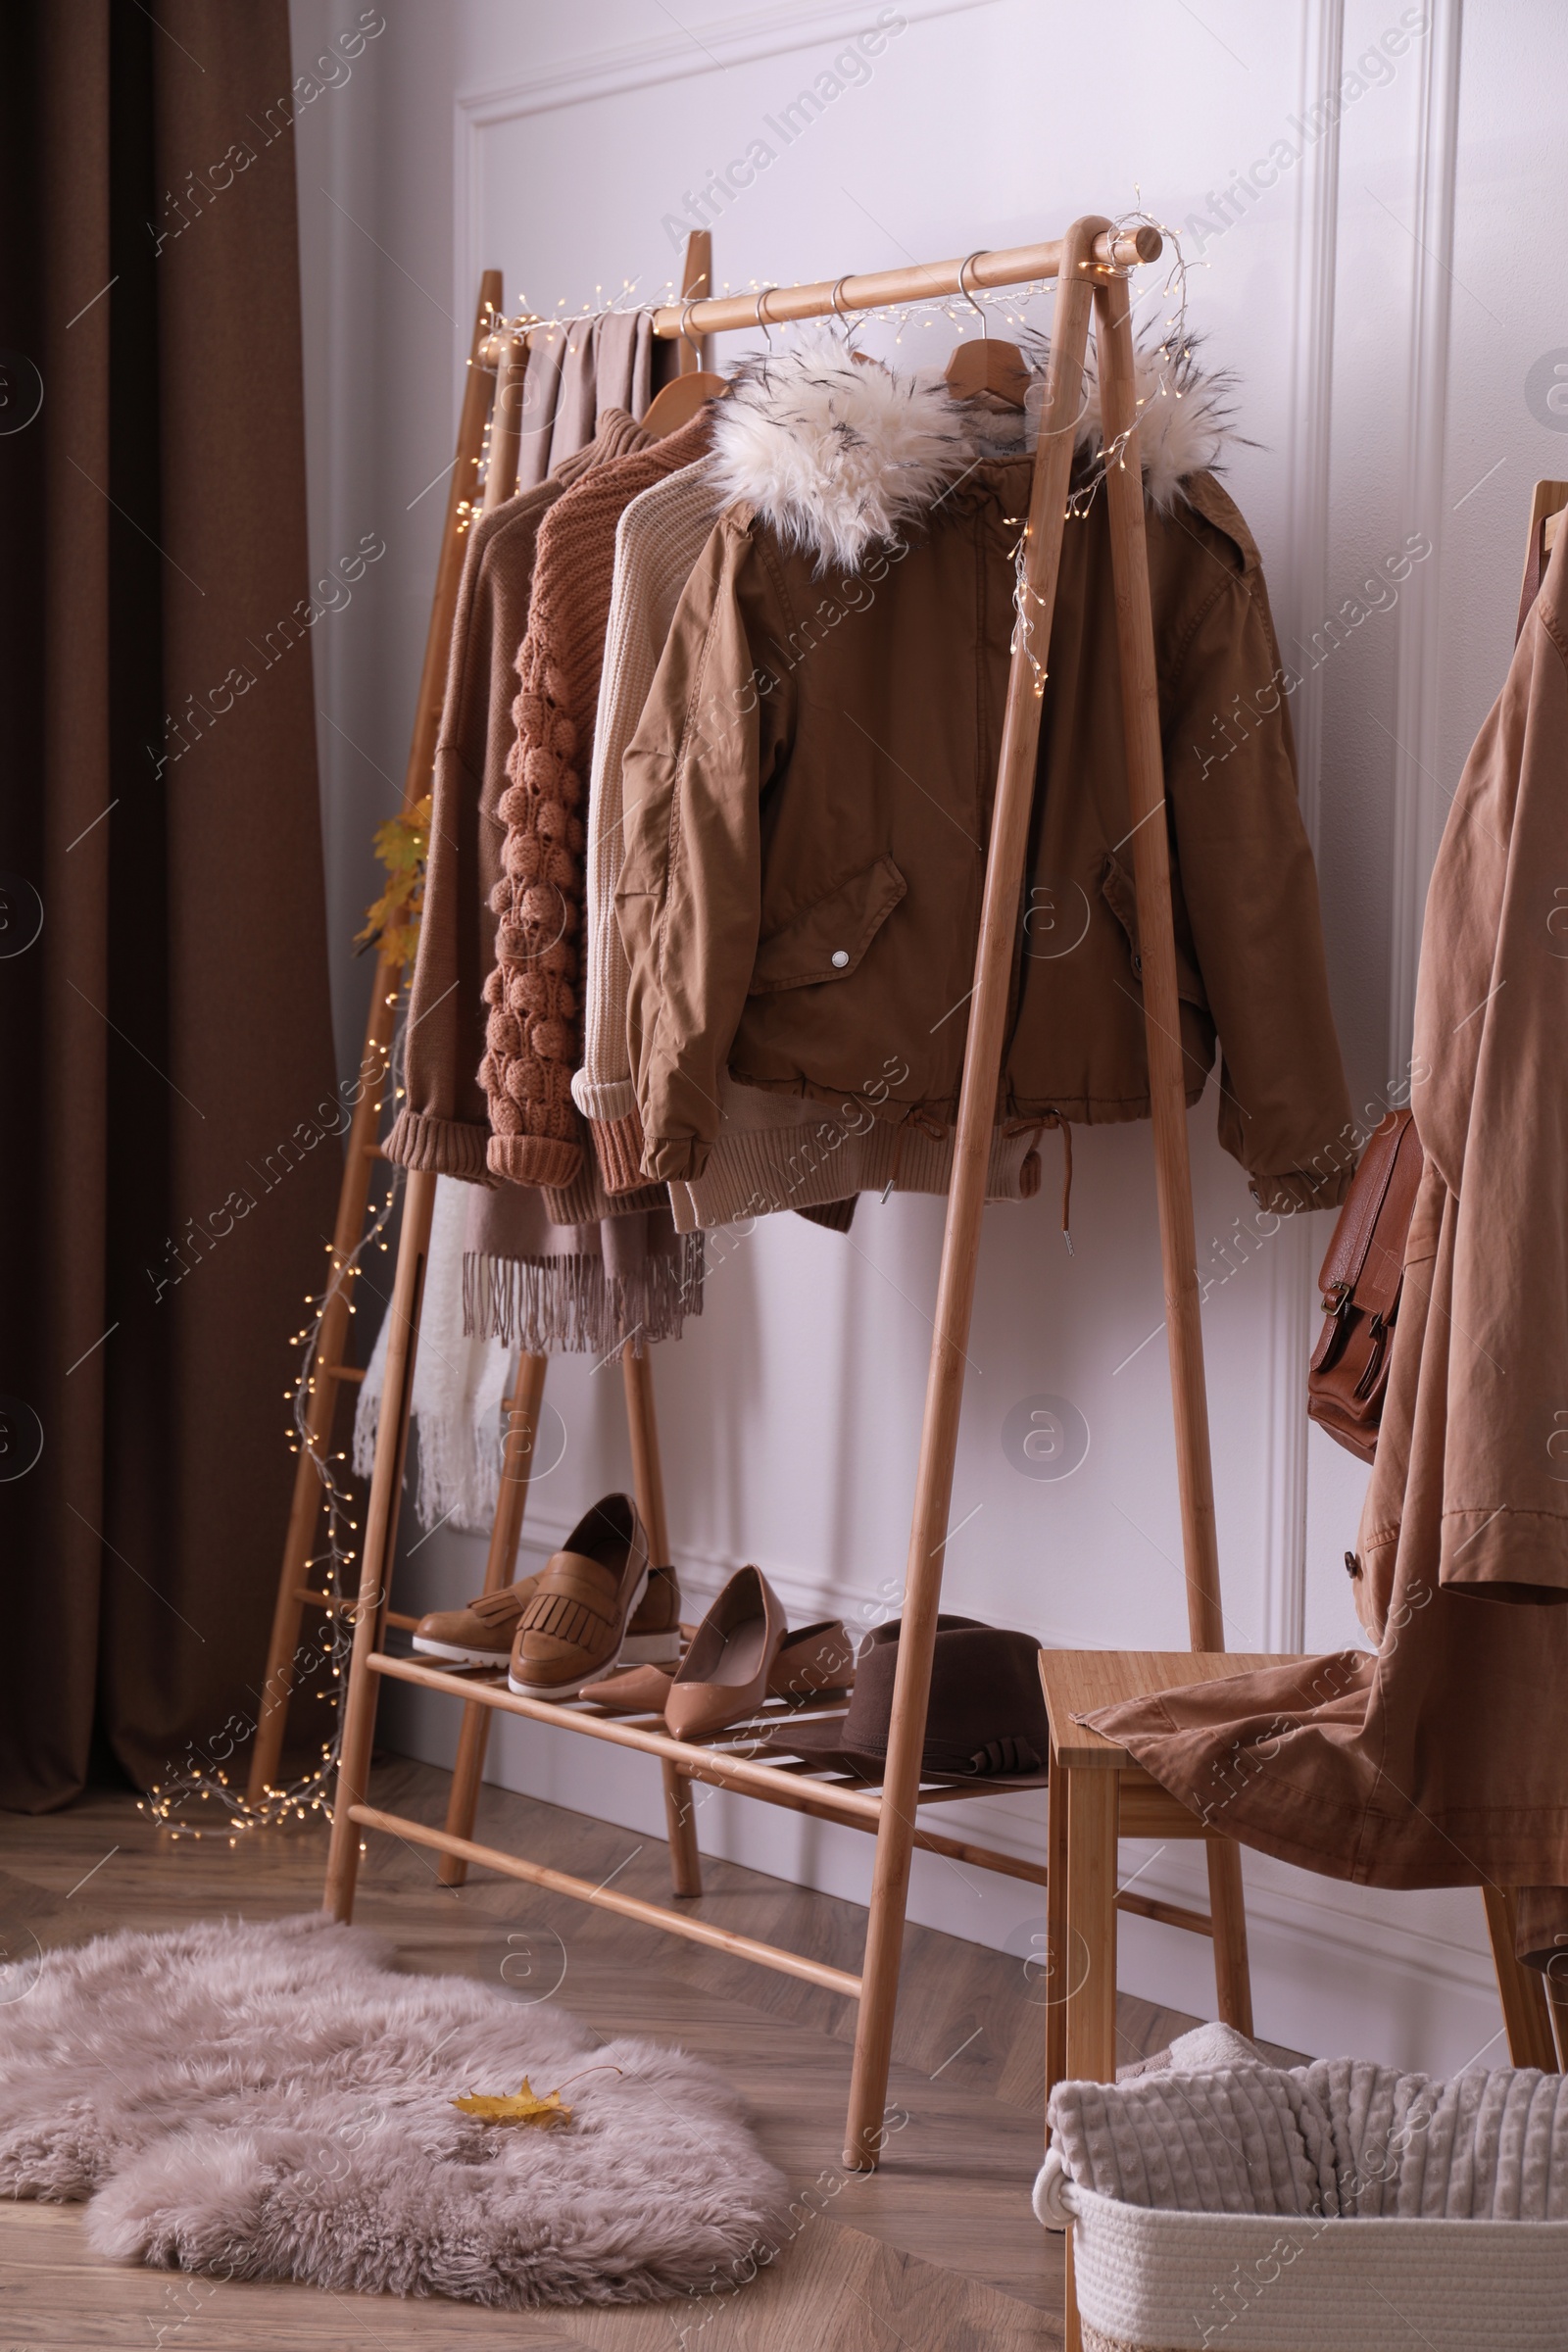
x=680 y=401
x=681 y=398
x=989 y=365
x=1546 y=516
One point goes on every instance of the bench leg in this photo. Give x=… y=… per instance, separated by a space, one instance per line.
x=1227 y=1906
x=1526 y=2011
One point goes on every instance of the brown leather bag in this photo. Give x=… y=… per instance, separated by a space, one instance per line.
x=1361 y=1281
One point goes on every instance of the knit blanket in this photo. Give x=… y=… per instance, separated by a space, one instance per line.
x=1221 y=2131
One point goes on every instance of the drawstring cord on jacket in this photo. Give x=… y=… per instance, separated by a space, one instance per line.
x=914 y=1116
x=1035 y=1128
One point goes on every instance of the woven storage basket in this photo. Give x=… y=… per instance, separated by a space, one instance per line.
x=1155 y=2281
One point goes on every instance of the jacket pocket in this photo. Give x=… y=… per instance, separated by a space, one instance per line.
x=1117 y=891
x=829 y=938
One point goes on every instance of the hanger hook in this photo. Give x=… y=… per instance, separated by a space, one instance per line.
x=683 y=331
x=851 y=323
x=979 y=312
x=762 y=319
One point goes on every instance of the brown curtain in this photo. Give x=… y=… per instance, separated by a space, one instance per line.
x=164 y=1011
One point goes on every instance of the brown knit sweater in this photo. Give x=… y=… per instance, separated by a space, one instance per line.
x=444 y=1124
x=534 y=1025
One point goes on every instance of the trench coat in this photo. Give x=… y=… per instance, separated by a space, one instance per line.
x=1441 y=1759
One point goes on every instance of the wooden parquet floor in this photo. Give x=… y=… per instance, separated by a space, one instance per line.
x=938 y=2249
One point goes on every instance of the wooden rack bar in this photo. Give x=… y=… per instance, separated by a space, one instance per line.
x=883 y=289
x=876 y=289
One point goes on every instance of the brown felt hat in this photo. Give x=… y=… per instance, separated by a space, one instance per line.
x=986 y=1719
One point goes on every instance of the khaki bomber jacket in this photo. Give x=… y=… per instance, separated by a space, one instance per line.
x=807 y=802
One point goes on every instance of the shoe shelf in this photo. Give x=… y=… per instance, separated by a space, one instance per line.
x=729 y=1759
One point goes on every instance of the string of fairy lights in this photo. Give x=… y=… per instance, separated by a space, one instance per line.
x=330 y=1571
x=1168 y=361
x=181 y=1803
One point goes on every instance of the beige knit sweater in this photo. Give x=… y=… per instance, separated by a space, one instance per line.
x=658 y=541
x=532 y=992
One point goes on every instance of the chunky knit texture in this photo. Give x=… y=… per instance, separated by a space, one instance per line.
x=532 y=992
x=444 y=1125
x=660 y=538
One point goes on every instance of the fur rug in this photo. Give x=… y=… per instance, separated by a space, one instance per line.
x=273 y=2101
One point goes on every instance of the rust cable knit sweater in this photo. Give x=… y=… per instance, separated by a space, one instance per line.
x=534 y=1024
x=444 y=1125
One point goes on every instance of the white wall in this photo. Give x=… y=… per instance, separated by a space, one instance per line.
x=1379 y=297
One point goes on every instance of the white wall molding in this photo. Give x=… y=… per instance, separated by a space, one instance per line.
x=678 y=56
x=1311 y=407
x=703 y=48
x=1416 y=753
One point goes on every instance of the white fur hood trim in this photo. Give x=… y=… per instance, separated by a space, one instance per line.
x=839 y=458
x=835 y=456
x=1184 y=419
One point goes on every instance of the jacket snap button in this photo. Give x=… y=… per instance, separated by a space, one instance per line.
x=841 y=957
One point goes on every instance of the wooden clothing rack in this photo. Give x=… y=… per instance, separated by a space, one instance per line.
x=1090 y=266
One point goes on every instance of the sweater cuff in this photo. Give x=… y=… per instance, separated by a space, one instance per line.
x=1282 y=1196
x=603 y=1098
x=438 y=1146
x=673 y=1159
x=619 y=1143
x=534 y=1160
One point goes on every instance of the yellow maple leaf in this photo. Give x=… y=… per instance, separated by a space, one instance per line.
x=523 y=2108
x=392 y=923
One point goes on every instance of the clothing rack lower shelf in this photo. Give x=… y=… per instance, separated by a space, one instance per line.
x=795 y=1786
x=605 y=1899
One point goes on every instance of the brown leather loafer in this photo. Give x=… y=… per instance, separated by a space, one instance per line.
x=480 y=1635
x=724 y=1676
x=573 y=1627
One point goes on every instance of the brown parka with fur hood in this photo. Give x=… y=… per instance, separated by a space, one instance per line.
x=808 y=793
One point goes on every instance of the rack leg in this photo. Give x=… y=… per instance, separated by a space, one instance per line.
x=1167 y=1091
x=982 y=1062
x=506 y=1529
x=380 y=1540
x=648 y=1475
x=685 y=1861
x=321 y=1411
x=1058 y=1976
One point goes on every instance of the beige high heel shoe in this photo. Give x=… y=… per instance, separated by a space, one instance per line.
x=819 y=1658
x=724 y=1676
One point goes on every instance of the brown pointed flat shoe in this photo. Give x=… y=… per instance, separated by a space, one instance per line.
x=724 y=1676
x=819 y=1658
x=639 y=1690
